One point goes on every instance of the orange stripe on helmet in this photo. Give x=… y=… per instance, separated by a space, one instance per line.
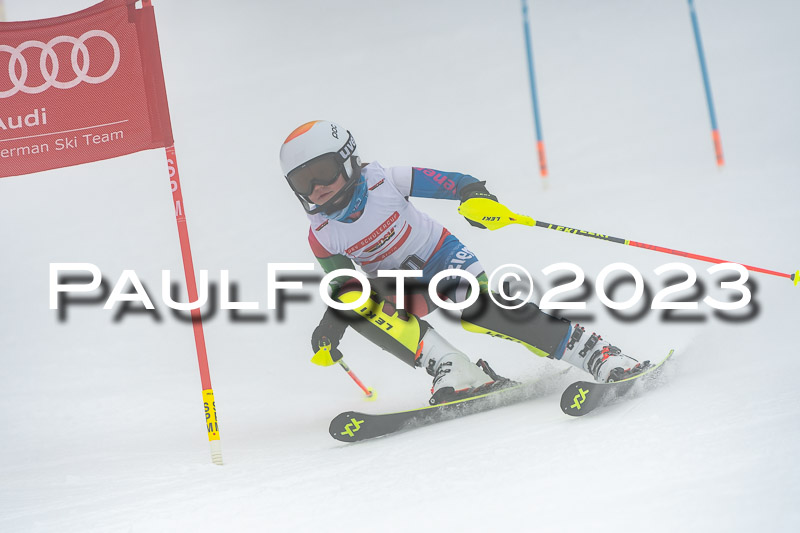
x=300 y=130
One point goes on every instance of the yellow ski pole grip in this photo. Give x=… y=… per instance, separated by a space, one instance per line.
x=323 y=356
x=491 y=214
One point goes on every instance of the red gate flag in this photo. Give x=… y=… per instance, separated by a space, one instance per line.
x=80 y=88
x=85 y=87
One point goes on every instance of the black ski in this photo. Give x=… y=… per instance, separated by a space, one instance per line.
x=352 y=426
x=583 y=397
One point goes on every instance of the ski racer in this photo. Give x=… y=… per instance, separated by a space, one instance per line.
x=360 y=213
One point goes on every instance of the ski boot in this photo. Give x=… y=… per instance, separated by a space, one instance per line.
x=606 y=363
x=454 y=376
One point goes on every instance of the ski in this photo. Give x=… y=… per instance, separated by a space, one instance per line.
x=352 y=426
x=583 y=397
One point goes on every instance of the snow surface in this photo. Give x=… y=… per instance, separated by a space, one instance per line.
x=102 y=422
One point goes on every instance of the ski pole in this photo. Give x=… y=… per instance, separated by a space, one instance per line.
x=494 y=215
x=370 y=393
x=565 y=229
x=323 y=357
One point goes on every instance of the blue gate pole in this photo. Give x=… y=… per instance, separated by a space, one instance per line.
x=532 y=79
x=714 y=128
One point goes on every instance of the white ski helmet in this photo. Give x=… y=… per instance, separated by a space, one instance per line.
x=317 y=153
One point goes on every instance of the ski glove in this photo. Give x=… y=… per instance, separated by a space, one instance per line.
x=326 y=337
x=482 y=210
x=475 y=190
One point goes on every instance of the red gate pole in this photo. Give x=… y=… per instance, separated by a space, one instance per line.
x=197 y=324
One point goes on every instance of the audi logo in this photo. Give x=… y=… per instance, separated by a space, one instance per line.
x=80 y=71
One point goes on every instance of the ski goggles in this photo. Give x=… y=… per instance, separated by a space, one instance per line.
x=322 y=170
